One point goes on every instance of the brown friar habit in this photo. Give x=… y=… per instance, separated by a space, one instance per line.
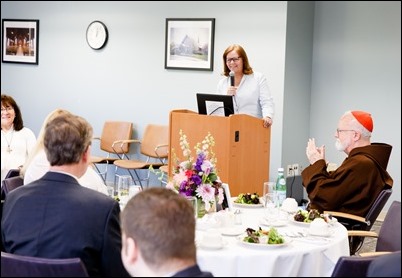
x=353 y=187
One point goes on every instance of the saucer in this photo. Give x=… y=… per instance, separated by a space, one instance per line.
x=233 y=231
x=209 y=246
x=273 y=223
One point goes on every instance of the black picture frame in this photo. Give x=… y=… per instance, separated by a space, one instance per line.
x=20 y=41
x=189 y=43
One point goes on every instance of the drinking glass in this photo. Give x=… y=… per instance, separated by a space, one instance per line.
x=268 y=188
x=193 y=201
x=123 y=188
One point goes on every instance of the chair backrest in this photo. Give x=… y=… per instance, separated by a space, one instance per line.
x=389 y=236
x=10 y=184
x=387 y=265
x=13 y=265
x=377 y=207
x=12 y=173
x=113 y=131
x=355 y=242
x=351 y=266
x=155 y=135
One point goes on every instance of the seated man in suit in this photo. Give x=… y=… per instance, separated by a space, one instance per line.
x=158 y=232
x=56 y=217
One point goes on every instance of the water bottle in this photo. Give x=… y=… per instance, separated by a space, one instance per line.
x=280 y=187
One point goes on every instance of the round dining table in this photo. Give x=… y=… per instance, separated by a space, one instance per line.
x=303 y=254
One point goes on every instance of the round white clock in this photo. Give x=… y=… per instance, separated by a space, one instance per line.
x=97 y=35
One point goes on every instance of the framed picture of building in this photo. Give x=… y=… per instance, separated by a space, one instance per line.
x=189 y=43
x=20 y=41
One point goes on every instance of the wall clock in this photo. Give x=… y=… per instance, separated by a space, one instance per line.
x=97 y=35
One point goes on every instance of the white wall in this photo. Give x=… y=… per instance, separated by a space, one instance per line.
x=357 y=66
x=126 y=80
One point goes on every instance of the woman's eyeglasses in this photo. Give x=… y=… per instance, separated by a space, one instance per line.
x=232 y=60
x=7 y=109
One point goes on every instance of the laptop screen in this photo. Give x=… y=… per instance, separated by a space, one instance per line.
x=215 y=104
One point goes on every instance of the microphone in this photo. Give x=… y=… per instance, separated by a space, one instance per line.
x=232 y=78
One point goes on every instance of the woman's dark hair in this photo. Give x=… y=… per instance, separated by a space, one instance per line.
x=8 y=101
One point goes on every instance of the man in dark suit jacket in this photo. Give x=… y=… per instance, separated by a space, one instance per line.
x=158 y=231
x=56 y=217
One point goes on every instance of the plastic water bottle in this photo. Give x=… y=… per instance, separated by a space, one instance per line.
x=280 y=187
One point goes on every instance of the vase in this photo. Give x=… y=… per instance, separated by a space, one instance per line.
x=201 y=211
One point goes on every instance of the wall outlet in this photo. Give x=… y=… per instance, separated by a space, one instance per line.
x=289 y=170
x=296 y=169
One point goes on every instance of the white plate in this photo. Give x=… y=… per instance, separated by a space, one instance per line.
x=235 y=231
x=260 y=205
x=263 y=245
x=302 y=224
x=273 y=223
x=307 y=224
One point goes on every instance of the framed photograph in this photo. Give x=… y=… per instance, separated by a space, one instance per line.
x=190 y=43
x=20 y=41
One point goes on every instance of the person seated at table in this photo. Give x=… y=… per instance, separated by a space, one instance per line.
x=56 y=217
x=158 y=233
x=37 y=164
x=354 y=186
x=17 y=140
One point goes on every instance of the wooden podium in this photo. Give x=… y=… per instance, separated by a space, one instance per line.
x=242 y=146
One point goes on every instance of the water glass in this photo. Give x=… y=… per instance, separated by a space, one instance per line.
x=268 y=188
x=193 y=201
x=123 y=188
x=110 y=190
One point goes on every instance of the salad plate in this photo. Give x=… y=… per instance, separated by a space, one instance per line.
x=302 y=224
x=307 y=224
x=262 y=245
x=247 y=205
x=241 y=205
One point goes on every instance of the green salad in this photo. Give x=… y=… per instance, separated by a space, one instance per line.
x=270 y=236
x=248 y=198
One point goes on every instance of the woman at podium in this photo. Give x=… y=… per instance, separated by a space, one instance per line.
x=250 y=90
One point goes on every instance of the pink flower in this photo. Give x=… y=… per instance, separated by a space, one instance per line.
x=197 y=177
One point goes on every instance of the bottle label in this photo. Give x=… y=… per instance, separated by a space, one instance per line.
x=281 y=195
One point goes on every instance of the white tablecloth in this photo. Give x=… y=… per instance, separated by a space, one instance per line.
x=305 y=256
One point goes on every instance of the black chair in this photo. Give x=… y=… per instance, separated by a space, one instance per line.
x=351 y=266
x=12 y=173
x=10 y=184
x=389 y=236
x=13 y=265
x=354 y=222
x=388 y=265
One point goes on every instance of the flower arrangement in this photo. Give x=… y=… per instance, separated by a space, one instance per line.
x=197 y=177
